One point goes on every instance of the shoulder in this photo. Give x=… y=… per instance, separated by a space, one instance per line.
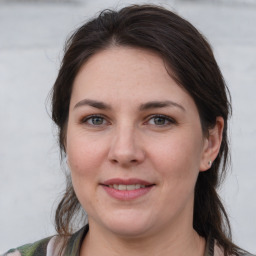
x=47 y=246
x=51 y=246
x=218 y=251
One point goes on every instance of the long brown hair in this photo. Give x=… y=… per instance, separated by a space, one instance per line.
x=187 y=53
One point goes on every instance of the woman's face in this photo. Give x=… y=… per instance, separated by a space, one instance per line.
x=134 y=144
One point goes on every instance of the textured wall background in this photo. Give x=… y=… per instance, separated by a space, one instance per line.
x=31 y=40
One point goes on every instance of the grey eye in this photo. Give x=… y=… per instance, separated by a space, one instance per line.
x=159 y=120
x=94 y=120
x=97 y=120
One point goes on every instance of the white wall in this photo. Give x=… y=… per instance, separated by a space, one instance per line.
x=31 y=41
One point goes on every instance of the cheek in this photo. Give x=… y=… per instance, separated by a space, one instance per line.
x=180 y=151
x=84 y=161
x=84 y=154
x=177 y=161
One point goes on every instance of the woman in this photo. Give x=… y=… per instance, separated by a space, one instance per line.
x=142 y=110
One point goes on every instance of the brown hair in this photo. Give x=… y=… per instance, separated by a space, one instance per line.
x=189 y=56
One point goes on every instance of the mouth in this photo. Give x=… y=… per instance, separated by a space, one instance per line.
x=123 y=187
x=127 y=189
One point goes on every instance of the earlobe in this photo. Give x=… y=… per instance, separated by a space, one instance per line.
x=212 y=145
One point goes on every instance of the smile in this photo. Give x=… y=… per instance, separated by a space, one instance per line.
x=123 y=189
x=126 y=187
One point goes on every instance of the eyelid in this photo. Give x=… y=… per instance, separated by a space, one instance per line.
x=86 y=118
x=168 y=118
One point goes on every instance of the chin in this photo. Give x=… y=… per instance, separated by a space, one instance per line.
x=128 y=225
x=123 y=223
x=129 y=230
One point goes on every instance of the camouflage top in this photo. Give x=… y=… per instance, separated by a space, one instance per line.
x=51 y=246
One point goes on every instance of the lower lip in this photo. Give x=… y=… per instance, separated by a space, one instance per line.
x=127 y=194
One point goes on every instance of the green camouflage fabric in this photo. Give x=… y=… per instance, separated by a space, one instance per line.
x=51 y=246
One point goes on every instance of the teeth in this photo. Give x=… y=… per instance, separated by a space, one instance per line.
x=126 y=187
x=122 y=187
x=116 y=186
x=130 y=187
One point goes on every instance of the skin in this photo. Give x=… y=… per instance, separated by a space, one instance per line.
x=126 y=141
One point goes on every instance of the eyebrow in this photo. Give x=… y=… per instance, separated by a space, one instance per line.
x=143 y=107
x=160 y=104
x=92 y=103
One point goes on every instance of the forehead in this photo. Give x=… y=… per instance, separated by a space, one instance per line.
x=121 y=62
x=127 y=73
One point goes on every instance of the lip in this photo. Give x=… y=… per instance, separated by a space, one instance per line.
x=126 y=194
x=126 y=182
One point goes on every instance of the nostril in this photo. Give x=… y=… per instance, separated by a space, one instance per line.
x=131 y=162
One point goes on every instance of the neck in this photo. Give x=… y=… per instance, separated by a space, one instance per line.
x=178 y=243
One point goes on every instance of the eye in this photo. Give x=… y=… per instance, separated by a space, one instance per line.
x=160 y=120
x=95 y=120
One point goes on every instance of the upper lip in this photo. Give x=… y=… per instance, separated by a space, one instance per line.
x=130 y=181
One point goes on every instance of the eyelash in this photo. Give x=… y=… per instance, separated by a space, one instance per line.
x=86 y=119
x=164 y=117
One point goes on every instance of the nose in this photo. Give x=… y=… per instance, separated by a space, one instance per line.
x=126 y=149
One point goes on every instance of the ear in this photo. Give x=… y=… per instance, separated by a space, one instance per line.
x=212 y=145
